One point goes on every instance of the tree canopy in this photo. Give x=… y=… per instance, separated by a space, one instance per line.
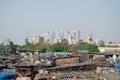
x=84 y=46
x=57 y=48
x=62 y=46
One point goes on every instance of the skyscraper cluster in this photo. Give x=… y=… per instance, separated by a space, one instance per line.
x=72 y=36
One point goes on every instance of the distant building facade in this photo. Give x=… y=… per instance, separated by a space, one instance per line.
x=88 y=38
x=46 y=37
x=36 y=39
x=72 y=36
x=109 y=49
x=112 y=44
x=57 y=40
x=41 y=39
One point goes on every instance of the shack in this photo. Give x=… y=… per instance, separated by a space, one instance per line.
x=25 y=69
x=97 y=56
x=66 y=60
x=65 y=71
x=8 y=58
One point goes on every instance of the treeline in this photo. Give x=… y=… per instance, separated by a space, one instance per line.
x=62 y=46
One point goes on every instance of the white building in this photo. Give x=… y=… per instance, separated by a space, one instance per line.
x=88 y=38
x=72 y=36
x=109 y=49
x=57 y=40
x=46 y=37
x=36 y=39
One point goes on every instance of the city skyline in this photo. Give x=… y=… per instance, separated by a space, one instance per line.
x=50 y=36
x=101 y=18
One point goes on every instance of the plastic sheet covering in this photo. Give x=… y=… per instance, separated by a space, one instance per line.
x=6 y=73
x=116 y=66
x=47 y=55
x=62 y=54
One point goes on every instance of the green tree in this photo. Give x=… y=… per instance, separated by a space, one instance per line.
x=93 y=48
x=72 y=48
x=29 y=47
x=65 y=44
x=11 y=47
x=78 y=46
x=57 y=48
x=36 y=47
x=45 y=45
x=26 y=41
x=43 y=50
x=101 y=43
x=2 y=48
x=83 y=46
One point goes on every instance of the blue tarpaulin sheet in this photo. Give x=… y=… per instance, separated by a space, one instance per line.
x=6 y=73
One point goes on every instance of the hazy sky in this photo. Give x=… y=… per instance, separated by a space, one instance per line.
x=19 y=18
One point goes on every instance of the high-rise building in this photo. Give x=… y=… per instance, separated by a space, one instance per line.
x=57 y=40
x=36 y=39
x=52 y=36
x=41 y=39
x=88 y=38
x=72 y=36
x=78 y=35
x=47 y=37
